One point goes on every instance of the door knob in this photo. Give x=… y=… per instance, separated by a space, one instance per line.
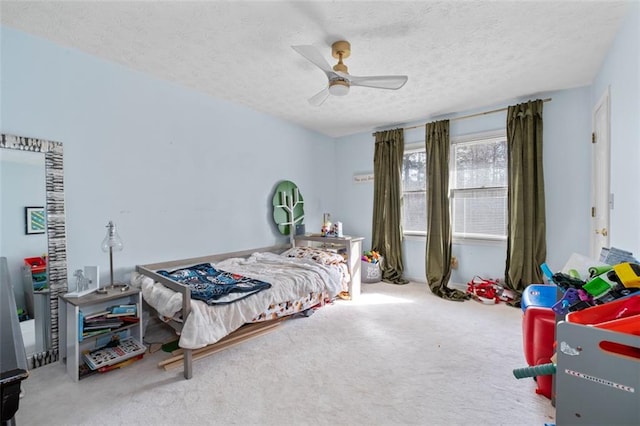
x=602 y=231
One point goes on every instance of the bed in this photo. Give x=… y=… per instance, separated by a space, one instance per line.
x=267 y=284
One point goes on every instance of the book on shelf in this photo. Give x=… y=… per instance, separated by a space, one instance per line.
x=113 y=311
x=95 y=315
x=102 y=325
x=110 y=355
x=122 y=310
x=124 y=314
x=106 y=322
x=92 y=333
x=116 y=318
x=80 y=325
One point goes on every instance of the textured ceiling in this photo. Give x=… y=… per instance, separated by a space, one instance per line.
x=458 y=55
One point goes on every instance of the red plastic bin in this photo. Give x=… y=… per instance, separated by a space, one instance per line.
x=628 y=325
x=38 y=264
x=615 y=310
x=621 y=316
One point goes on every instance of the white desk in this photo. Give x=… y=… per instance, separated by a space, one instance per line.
x=353 y=246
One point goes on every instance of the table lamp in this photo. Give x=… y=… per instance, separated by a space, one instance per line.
x=111 y=243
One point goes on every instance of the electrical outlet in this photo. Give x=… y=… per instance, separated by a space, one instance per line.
x=454 y=262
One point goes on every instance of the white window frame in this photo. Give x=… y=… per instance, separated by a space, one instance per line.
x=408 y=149
x=472 y=138
x=458 y=237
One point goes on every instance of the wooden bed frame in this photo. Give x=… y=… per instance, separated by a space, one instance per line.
x=149 y=271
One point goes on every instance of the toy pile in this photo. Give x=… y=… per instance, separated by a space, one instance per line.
x=585 y=283
x=371 y=256
x=604 y=284
x=371 y=267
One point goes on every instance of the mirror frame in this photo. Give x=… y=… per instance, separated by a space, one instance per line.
x=56 y=229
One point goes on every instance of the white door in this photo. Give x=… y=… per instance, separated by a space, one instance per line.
x=600 y=192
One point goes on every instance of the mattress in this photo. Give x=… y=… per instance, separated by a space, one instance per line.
x=296 y=284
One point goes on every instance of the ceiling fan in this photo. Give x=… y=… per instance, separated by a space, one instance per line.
x=339 y=78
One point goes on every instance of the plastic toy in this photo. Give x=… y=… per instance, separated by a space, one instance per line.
x=627 y=274
x=566 y=281
x=538 y=335
x=546 y=271
x=488 y=291
x=572 y=300
x=545 y=295
x=534 y=371
x=371 y=256
x=620 y=281
x=599 y=285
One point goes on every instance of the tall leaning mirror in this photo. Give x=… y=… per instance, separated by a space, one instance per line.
x=32 y=188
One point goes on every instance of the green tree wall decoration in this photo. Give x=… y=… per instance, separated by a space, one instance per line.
x=288 y=208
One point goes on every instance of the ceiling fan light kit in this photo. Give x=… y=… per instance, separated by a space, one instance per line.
x=339 y=79
x=338 y=87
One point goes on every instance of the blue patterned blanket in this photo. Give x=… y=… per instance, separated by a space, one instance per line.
x=215 y=287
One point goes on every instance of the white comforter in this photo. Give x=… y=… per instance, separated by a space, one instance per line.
x=290 y=280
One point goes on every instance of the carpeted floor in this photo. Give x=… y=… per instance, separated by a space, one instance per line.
x=397 y=356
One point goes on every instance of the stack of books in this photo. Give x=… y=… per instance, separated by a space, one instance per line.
x=105 y=321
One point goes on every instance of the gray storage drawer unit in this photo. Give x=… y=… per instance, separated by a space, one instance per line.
x=597 y=376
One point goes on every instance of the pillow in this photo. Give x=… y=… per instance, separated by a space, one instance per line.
x=320 y=256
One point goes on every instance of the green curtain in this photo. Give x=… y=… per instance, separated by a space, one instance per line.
x=438 y=250
x=387 y=207
x=526 y=231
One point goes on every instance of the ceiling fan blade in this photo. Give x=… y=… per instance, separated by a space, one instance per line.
x=392 y=82
x=319 y=98
x=315 y=57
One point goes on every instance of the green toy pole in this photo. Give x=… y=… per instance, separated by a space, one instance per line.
x=536 y=370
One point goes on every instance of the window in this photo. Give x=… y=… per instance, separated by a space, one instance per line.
x=414 y=191
x=477 y=188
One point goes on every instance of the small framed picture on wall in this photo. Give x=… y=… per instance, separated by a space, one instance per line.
x=34 y=218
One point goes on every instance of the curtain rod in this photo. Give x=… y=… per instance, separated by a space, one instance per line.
x=477 y=114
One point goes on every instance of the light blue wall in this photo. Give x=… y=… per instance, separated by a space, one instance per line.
x=566 y=166
x=21 y=185
x=180 y=173
x=621 y=72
